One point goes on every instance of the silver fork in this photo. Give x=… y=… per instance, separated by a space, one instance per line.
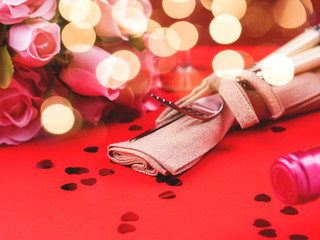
x=204 y=108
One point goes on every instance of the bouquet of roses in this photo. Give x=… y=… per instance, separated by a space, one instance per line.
x=35 y=65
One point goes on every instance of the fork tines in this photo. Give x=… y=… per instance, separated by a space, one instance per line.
x=185 y=110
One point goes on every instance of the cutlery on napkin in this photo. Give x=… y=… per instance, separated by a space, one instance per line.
x=248 y=98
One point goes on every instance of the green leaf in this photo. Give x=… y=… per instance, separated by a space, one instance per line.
x=137 y=43
x=3 y=33
x=110 y=39
x=6 y=67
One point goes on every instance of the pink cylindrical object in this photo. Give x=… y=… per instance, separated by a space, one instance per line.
x=296 y=176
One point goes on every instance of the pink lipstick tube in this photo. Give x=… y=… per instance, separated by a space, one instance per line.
x=295 y=177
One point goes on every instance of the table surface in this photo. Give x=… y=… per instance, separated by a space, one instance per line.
x=216 y=199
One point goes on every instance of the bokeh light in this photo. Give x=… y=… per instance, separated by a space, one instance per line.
x=132 y=60
x=289 y=13
x=152 y=25
x=206 y=4
x=258 y=19
x=163 y=42
x=308 y=6
x=236 y=8
x=113 y=72
x=79 y=10
x=178 y=9
x=188 y=34
x=92 y=18
x=57 y=115
x=225 y=29
x=74 y=10
x=130 y=18
x=228 y=64
x=277 y=70
x=78 y=38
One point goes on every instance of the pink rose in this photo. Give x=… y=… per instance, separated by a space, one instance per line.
x=80 y=75
x=35 y=42
x=16 y=11
x=120 y=26
x=20 y=104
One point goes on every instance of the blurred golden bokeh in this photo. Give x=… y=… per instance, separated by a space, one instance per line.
x=79 y=10
x=152 y=26
x=207 y=4
x=78 y=37
x=277 y=70
x=131 y=19
x=113 y=72
x=164 y=42
x=225 y=29
x=132 y=60
x=57 y=115
x=178 y=9
x=289 y=13
x=236 y=8
x=258 y=19
x=228 y=64
x=93 y=16
x=188 y=34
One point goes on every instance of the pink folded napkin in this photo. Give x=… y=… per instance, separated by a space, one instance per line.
x=248 y=98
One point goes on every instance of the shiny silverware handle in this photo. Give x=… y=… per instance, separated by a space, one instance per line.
x=152 y=130
x=304 y=41
x=308 y=39
x=306 y=60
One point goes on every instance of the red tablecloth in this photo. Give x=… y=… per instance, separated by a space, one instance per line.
x=216 y=200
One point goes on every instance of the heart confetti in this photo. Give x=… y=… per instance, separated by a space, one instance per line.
x=88 y=181
x=45 y=164
x=167 y=195
x=130 y=216
x=92 y=149
x=125 y=227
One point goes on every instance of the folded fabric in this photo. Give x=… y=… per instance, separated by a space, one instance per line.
x=248 y=98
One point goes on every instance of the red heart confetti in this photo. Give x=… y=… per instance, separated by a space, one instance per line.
x=262 y=198
x=167 y=195
x=125 y=227
x=45 y=164
x=105 y=172
x=92 y=149
x=69 y=186
x=130 y=216
x=76 y=170
x=271 y=233
x=289 y=210
x=298 y=237
x=88 y=181
x=261 y=223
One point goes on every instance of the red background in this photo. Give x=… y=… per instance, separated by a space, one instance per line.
x=215 y=201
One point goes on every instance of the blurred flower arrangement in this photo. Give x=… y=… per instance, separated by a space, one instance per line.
x=68 y=61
